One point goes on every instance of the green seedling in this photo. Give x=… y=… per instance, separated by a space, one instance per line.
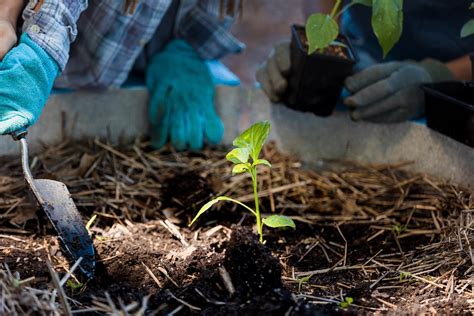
x=246 y=158
x=90 y=222
x=399 y=229
x=303 y=280
x=387 y=24
x=346 y=303
x=404 y=276
x=74 y=285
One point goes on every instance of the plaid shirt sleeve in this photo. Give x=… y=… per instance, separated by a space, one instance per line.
x=52 y=24
x=200 y=24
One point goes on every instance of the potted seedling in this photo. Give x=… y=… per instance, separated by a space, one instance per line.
x=321 y=57
x=246 y=159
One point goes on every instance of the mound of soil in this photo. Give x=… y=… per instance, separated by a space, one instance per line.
x=251 y=265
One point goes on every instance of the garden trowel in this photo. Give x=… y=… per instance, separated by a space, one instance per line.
x=55 y=200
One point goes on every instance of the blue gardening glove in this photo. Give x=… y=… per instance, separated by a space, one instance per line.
x=182 y=99
x=390 y=92
x=27 y=74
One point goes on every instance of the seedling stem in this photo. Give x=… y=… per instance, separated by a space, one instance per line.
x=246 y=159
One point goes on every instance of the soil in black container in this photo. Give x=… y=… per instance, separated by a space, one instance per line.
x=316 y=80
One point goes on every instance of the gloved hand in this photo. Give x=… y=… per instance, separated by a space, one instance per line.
x=27 y=74
x=8 y=37
x=272 y=74
x=182 y=99
x=390 y=92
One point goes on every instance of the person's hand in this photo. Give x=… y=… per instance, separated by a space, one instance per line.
x=272 y=74
x=27 y=74
x=8 y=37
x=390 y=92
x=181 y=107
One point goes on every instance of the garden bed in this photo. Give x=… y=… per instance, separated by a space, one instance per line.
x=368 y=239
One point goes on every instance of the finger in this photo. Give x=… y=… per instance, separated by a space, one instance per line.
x=214 y=129
x=282 y=57
x=370 y=75
x=178 y=130
x=213 y=125
x=196 y=129
x=160 y=117
x=157 y=104
x=409 y=75
x=278 y=82
x=264 y=79
x=372 y=94
x=380 y=109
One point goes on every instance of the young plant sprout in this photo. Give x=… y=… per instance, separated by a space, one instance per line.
x=346 y=303
x=246 y=159
x=387 y=22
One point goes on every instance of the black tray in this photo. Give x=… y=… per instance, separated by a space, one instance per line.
x=450 y=109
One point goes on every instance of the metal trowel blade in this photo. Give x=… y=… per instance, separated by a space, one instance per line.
x=55 y=199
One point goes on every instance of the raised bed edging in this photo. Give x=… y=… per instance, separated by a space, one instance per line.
x=121 y=115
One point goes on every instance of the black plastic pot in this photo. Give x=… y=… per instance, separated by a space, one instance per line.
x=316 y=80
x=450 y=109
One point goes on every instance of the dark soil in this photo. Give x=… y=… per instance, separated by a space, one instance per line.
x=186 y=190
x=125 y=252
x=373 y=240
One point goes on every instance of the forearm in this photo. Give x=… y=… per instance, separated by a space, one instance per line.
x=10 y=10
x=321 y=6
x=461 y=68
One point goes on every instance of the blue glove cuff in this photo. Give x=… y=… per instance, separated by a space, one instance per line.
x=50 y=66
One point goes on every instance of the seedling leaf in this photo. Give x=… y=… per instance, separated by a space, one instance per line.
x=73 y=285
x=367 y=3
x=387 y=22
x=89 y=224
x=262 y=162
x=303 y=280
x=321 y=30
x=238 y=155
x=275 y=221
x=253 y=138
x=346 y=303
x=468 y=29
x=209 y=204
x=240 y=168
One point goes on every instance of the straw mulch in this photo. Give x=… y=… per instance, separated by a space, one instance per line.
x=407 y=236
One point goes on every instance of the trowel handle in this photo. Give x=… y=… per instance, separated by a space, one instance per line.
x=19 y=134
